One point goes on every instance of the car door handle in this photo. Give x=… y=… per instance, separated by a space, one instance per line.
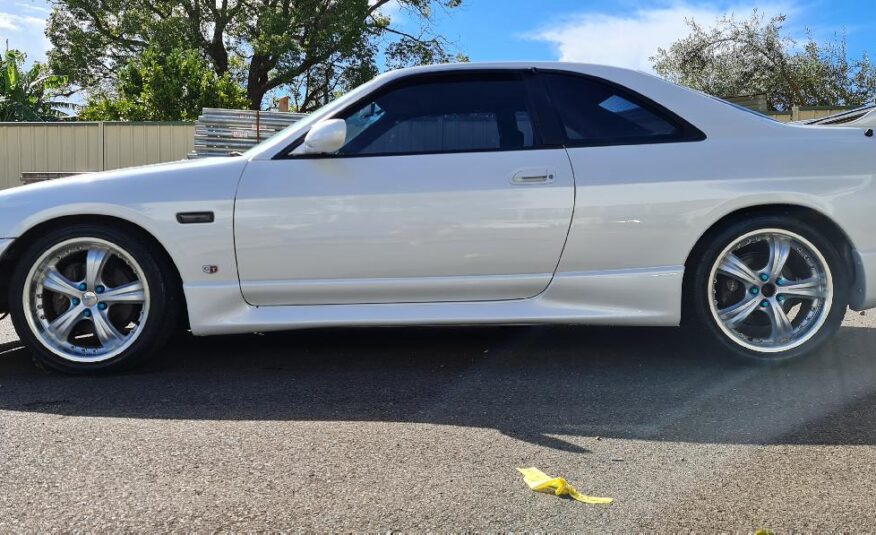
x=532 y=176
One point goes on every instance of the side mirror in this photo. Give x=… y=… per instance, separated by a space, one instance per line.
x=326 y=137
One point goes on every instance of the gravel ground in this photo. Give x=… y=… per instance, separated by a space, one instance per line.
x=422 y=429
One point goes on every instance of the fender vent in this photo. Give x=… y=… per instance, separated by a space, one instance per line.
x=195 y=217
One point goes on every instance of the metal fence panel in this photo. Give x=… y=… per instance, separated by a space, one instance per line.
x=28 y=147
x=130 y=144
x=805 y=113
x=88 y=146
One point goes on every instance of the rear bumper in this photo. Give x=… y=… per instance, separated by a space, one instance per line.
x=864 y=290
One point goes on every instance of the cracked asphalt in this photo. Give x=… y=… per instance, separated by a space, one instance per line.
x=422 y=429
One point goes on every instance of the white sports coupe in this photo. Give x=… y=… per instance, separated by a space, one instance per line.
x=507 y=193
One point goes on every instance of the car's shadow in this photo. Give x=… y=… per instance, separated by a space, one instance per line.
x=539 y=384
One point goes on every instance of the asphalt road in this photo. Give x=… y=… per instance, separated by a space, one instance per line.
x=418 y=429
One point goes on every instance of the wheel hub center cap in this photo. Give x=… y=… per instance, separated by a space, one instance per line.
x=768 y=290
x=89 y=299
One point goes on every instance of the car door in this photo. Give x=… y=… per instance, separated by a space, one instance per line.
x=631 y=157
x=443 y=191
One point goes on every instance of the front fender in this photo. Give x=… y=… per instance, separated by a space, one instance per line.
x=148 y=197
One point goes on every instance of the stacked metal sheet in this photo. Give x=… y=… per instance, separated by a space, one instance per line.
x=862 y=116
x=220 y=132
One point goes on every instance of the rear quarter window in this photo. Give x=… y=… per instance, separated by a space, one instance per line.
x=592 y=112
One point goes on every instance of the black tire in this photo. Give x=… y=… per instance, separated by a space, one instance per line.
x=164 y=294
x=698 y=315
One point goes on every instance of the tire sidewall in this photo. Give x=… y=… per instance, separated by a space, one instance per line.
x=160 y=293
x=698 y=285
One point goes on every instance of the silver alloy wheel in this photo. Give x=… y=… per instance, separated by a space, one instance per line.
x=771 y=290
x=86 y=300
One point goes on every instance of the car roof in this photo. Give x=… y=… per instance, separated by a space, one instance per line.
x=585 y=68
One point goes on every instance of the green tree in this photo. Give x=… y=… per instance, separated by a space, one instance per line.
x=315 y=47
x=164 y=86
x=756 y=56
x=29 y=94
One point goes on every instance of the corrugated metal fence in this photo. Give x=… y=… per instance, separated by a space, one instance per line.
x=805 y=113
x=88 y=146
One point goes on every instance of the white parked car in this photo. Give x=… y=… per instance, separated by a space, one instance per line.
x=461 y=194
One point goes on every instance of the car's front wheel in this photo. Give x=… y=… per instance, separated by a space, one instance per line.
x=87 y=298
x=768 y=288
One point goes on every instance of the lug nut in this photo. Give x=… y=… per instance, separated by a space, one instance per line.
x=83 y=286
x=87 y=313
x=764 y=277
x=764 y=303
x=75 y=301
x=101 y=306
x=780 y=298
x=99 y=289
x=780 y=282
x=754 y=290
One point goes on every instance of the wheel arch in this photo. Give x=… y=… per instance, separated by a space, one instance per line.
x=803 y=213
x=21 y=243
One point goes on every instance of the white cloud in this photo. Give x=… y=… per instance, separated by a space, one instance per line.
x=24 y=32
x=11 y=21
x=629 y=40
x=33 y=7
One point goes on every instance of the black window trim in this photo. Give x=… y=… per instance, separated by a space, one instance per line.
x=523 y=75
x=688 y=133
x=547 y=129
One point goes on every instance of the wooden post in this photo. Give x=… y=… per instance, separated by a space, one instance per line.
x=101 y=147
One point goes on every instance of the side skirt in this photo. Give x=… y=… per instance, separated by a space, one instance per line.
x=634 y=297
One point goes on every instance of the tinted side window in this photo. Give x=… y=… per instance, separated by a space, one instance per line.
x=442 y=115
x=594 y=112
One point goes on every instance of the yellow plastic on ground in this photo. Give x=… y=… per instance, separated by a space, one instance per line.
x=541 y=482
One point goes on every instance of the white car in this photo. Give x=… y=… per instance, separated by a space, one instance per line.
x=524 y=193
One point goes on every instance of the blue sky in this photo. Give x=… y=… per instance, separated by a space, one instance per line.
x=624 y=32
x=628 y=32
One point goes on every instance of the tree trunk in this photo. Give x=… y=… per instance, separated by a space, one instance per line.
x=255 y=94
x=219 y=55
x=257 y=81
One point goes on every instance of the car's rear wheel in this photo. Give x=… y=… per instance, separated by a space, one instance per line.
x=88 y=298
x=768 y=288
